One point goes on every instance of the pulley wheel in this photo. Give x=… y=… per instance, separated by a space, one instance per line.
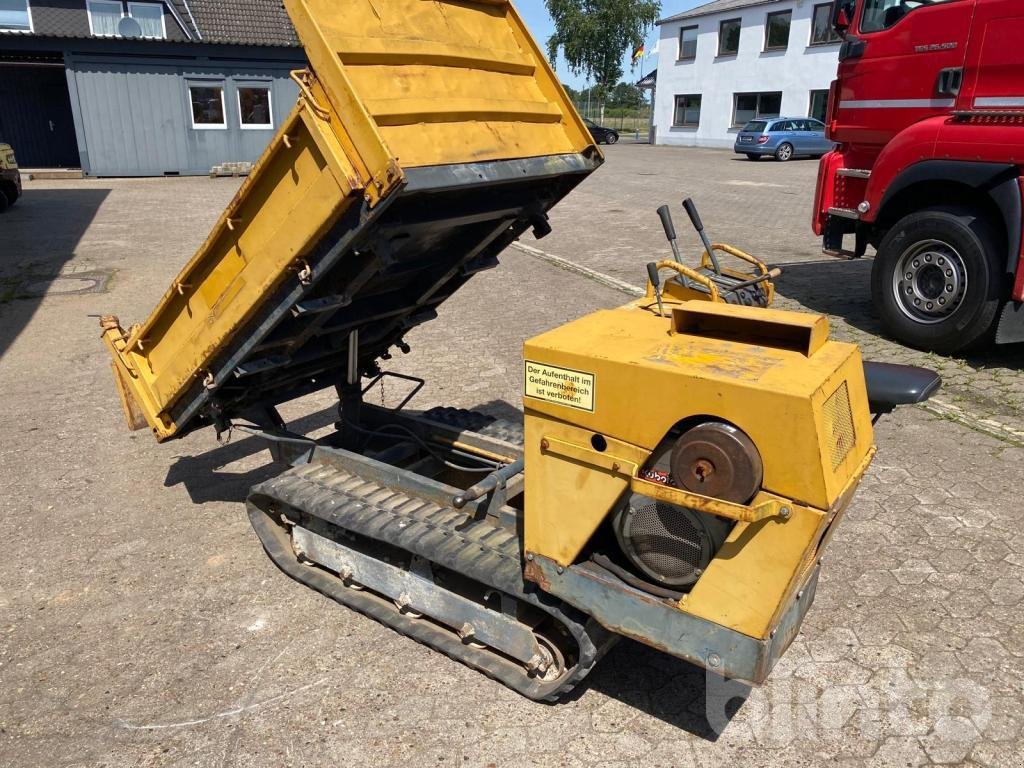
x=717 y=459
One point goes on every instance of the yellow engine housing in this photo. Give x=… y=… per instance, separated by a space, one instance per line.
x=620 y=380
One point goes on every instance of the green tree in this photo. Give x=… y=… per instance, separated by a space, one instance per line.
x=624 y=95
x=594 y=35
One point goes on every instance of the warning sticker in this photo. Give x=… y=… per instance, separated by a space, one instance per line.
x=562 y=386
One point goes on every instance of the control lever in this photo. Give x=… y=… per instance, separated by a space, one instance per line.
x=691 y=211
x=652 y=275
x=670 y=234
x=670 y=230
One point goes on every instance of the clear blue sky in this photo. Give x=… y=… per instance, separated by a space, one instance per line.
x=536 y=16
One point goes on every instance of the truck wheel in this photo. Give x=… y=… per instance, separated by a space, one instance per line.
x=4 y=202
x=784 y=152
x=937 y=280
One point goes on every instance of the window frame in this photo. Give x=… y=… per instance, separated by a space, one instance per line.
x=679 y=56
x=31 y=23
x=254 y=86
x=832 y=37
x=758 y=115
x=88 y=12
x=864 y=16
x=738 y=21
x=163 y=17
x=220 y=84
x=789 y=33
x=810 y=104
x=675 y=109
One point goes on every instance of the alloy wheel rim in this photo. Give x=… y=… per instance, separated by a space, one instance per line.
x=930 y=281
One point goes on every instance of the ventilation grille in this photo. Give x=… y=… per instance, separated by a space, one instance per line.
x=839 y=425
x=667 y=541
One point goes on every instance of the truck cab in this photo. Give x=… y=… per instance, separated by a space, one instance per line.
x=928 y=114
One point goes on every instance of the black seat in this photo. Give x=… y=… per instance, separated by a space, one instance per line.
x=892 y=385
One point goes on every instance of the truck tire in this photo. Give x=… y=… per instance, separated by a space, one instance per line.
x=937 y=279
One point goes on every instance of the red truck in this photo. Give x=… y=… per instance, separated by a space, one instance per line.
x=928 y=115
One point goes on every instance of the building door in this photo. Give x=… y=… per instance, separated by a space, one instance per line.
x=35 y=115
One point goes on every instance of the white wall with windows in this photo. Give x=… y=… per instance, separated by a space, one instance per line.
x=718 y=70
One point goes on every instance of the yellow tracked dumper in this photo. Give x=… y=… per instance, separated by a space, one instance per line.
x=682 y=461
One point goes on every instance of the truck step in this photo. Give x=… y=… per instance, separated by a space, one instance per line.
x=326 y=527
x=854 y=173
x=845 y=213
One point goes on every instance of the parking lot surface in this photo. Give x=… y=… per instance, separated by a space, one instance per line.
x=142 y=625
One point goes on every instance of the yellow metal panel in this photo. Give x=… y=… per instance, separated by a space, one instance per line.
x=282 y=209
x=744 y=584
x=571 y=486
x=648 y=379
x=437 y=82
x=752 y=578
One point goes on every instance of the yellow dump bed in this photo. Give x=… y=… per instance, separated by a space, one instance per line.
x=429 y=134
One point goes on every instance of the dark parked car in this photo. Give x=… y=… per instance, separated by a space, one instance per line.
x=784 y=138
x=10 y=178
x=601 y=134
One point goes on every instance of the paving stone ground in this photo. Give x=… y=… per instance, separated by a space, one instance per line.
x=142 y=625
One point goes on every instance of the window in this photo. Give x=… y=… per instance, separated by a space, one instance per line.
x=15 y=16
x=822 y=32
x=749 y=106
x=729 y=37
x=688 y=43
x=207 y=106
x=150 y=17
x=104 y=16
x=254 y=110
x=819 y=105
x=776 y=31
x=882 y=14
x=687 y=111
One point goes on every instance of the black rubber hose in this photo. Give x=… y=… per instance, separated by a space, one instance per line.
x=634 y=581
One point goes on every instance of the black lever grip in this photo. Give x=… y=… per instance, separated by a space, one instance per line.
x=691 y=211
x=666 y=222
x=652 y=273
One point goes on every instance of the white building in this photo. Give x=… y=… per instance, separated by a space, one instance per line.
x=730 y=61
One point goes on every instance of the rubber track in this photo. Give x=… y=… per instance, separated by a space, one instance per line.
x=474 y=421
x=477 y=549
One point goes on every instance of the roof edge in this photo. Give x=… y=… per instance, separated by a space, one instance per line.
x=695 y=13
